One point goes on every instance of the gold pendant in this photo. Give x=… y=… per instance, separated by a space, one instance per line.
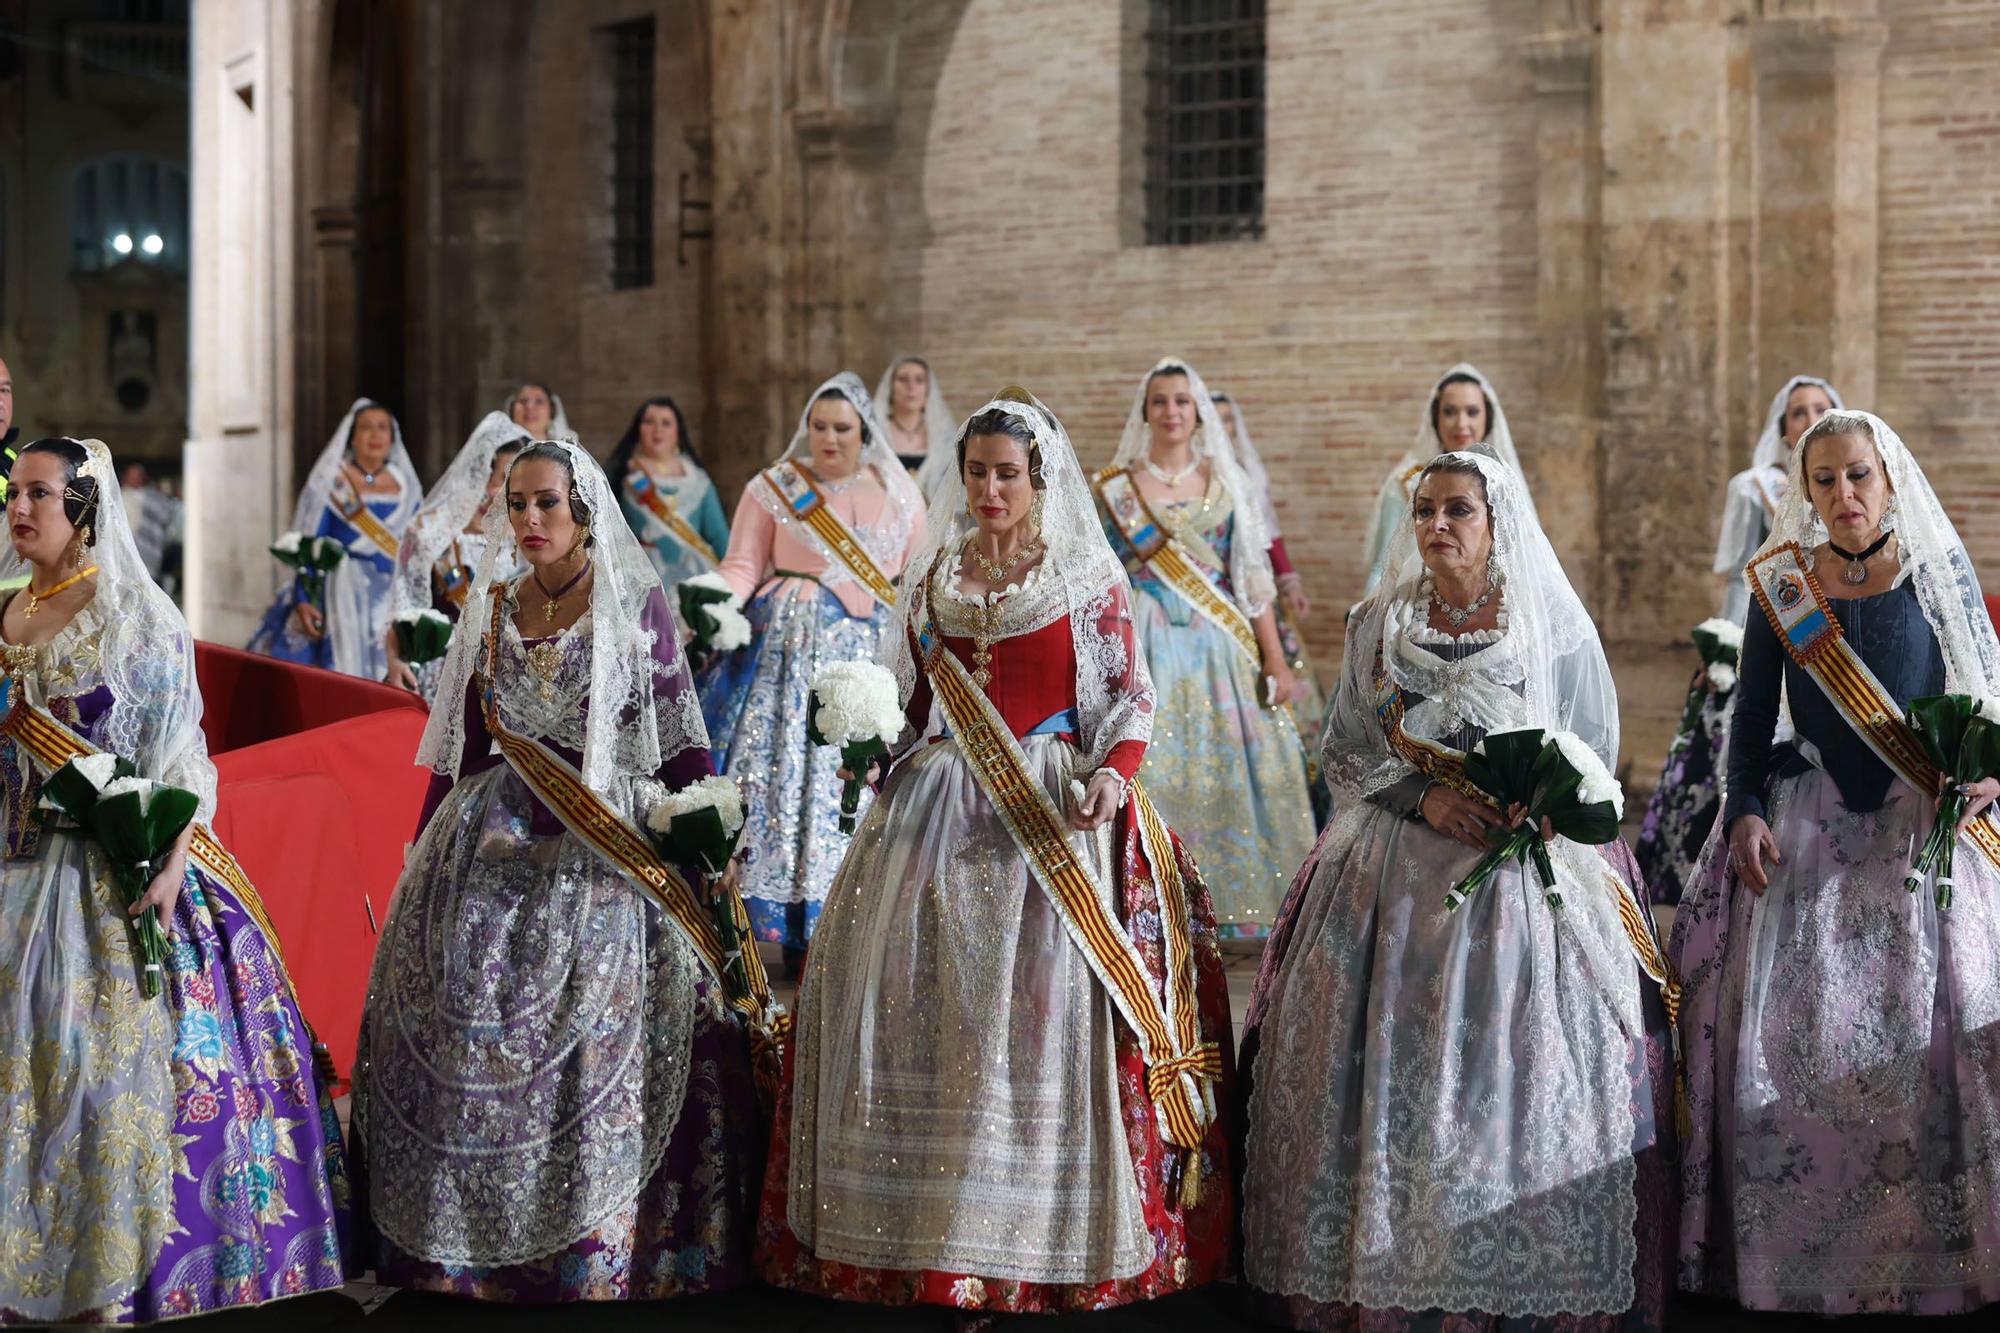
x=545 y=660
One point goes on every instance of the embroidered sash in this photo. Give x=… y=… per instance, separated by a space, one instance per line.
x=1437 y=762
x=51 y=744
x=793 y=484
x=1180 y=1067
x=362 y=519
x=1159 y=548
x=628 y=851
x=453 y=576
x=649 y=497
x=1797 y=608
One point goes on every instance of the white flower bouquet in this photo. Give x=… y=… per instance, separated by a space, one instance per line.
x=136 y=822
x=700 y=825
x=421 y=636
x=854 y=707
x=1553 y=776
x=1720 y=643
x=313 y=558
x=714 y=614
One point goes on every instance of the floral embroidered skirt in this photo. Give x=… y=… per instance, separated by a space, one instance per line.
x=1842 y=1038
x=755 y=702
x=1686 y=802
x=167 y=1156
x=965 y=1120
x=1449 y=1126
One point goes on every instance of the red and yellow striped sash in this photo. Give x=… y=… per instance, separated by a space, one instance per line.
x=1798 y=610
x=1180 y=1066
x=650 y=498
x=1155 y=544
x=794 y=485
x=1434 y=761
x=362 y=519
x=628 y=851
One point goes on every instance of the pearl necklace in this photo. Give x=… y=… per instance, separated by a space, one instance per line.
x=1165 y=477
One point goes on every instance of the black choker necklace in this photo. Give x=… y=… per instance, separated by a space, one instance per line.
x=1856 y=572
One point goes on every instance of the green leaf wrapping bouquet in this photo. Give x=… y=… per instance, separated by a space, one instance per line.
x=1720 y=643
x=135 y=821
x=421 y=636
x=1556 y=777
x=1961 y=734
x=854 y=708
x=701 y=825
x=314 y=558
x=713 y=613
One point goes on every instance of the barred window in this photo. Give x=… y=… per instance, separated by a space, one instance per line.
x=1204 y=121
x=632 y=154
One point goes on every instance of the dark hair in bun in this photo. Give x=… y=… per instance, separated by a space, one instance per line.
x=80 y=493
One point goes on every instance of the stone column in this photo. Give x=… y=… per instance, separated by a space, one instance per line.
x=1818 y=83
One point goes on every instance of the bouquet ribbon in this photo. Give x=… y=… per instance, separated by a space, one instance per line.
x=1798 y=610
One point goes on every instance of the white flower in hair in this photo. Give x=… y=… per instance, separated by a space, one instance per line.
x=1726 y=632
x=857 y=701
x=1598 y=785
x=718 y=792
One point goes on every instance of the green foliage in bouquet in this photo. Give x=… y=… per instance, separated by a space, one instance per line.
x=711 y=611
x=136 y=823
x=1961 y=734
x=700 y=826
x=1555 y=777
x=1720 y=643
x=313 y=558
x=422 y=636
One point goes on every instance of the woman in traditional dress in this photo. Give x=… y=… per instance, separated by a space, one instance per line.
x=1463 y=412
x=920 y=426
x=1014 y=1022
x=553 y=1099
x=818 y=540
x=1684 y=805
x=664 y=494
x=1459 y=1120
x=442 y=546
x=1842 y=1031
x=1228 y=771
x=535 y=408
x=170 y=1155
x=362 y=492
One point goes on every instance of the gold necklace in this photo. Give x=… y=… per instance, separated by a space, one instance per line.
x=997 y=573
x=35 y=599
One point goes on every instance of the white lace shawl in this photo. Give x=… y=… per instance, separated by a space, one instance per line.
x=448 y=507
x=940 y=465
x=1250 y=574
x=1078 y=576
x=1252 y=464
x=559 y=428
x=630 y=729
x=1744 y=519
x=325 y=480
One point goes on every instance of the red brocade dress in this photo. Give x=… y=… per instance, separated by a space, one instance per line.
x=966 y=1119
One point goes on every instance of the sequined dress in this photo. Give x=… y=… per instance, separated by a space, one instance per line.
x=802 y=617
x=552 y=1101
x=1458 y=1122
x=966 y=1121
x=1842 y=1034
x=1228 y=773
x=166 y=1156
x=360 y=593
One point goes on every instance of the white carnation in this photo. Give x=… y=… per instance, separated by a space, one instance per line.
x=288 y=544
x=98 y=769
x=714 y=582
x=1722 y=676
x=719 y=792
x=1598 y=785
x=1986 y=706
x=857 y=702
x=1725 y=632
x=732 y=628
x=144 y=786
x=419 y=617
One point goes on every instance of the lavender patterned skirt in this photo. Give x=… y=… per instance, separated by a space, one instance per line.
x=1842 y=1038
x=167 y=1156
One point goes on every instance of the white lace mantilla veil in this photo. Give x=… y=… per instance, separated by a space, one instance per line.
x=1947 y=585
x=940 y=465
x=146 y=654
x=629 y=730
x=559 y=428
x=1252 y=464
x=448 y=507
x=1079 y=576
x=1547 y=670
x=1739 y=513
x=884 y=539
x=1249 y=557
x=325 y=475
